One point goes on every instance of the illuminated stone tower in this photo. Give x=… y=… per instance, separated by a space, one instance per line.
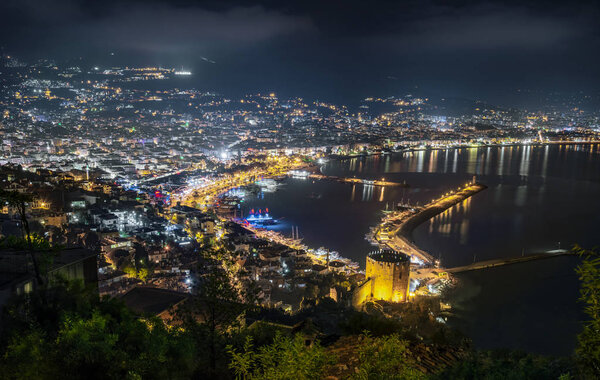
x=388 y=272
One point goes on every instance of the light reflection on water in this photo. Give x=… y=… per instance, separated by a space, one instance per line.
x=537 y=198
x=532 y=191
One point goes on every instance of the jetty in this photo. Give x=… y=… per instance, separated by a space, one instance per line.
x=508 y=261
x=352 y=180
x=438 y=206
x=396 y=230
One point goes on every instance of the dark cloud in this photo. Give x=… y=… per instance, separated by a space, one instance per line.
x=326 y=48
x=483 y=28
x=153 y=27
x=164 y=30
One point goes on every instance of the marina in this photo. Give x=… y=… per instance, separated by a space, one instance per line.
x=396 y=228
x=527 y=187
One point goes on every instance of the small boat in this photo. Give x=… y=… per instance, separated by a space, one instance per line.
x=314 y=195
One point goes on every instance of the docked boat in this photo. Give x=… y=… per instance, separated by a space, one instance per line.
x=267 y=185
x=261 y=218
x=299 y=174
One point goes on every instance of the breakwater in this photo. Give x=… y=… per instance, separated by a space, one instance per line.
x=401 y=236
x=437 y=207
x=508 y=261
x=352 y=180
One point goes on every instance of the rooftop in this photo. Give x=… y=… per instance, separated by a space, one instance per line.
x=148 y=300
x=389 y=256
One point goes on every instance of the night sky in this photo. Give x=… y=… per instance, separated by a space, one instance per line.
x=334 y=50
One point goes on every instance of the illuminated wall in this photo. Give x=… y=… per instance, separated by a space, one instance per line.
x=362 y=293
x=389 y=274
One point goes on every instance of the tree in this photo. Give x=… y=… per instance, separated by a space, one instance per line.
x=217 y=306
x=130 y=271
x=26 y=357
x=75 y=334
x=59 y=235
x=285 y=358
x=143 y=274
x=92 y=241
x=386 y=357
x=588 y=349
x=312 y=292
x=19 y=201
x=507 y=364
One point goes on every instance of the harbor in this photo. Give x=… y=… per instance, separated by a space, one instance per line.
x=396 y=228
x=501 y=222
x=331 y=260
x=351 y=180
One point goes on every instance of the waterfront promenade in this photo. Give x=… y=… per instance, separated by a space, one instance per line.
x=205 y=193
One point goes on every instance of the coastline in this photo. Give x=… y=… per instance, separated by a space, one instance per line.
x=402 y=238
x=366 y=154
x=350 y=267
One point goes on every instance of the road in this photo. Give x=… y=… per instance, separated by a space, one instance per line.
x=205 y=193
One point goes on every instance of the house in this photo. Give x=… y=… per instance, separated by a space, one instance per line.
x=156 y=255
x=108 y=221
x=17 y=275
